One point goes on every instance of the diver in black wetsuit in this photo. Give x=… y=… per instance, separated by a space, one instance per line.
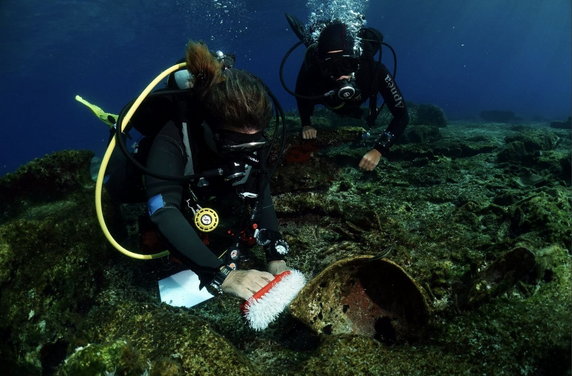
x=342 y=76
x=221 y=130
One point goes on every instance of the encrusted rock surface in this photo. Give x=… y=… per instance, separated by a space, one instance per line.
x=476 y=216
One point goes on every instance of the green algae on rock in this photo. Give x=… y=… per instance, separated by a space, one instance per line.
x=52 y=258
x=44 y=180
x=104 y=359
x=503 y=274
x=443 y=207
x=159 y=332
x=349 y=355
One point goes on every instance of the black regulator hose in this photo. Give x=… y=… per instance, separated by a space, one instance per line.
x=394 y=58
x=283 y=82
x=280 y=118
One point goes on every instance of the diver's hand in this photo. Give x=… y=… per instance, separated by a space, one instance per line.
x=276 y=267
x=309 y=132
x=244 y=283
x=370 y=160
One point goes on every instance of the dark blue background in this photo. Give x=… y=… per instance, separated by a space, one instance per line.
x=464 y=56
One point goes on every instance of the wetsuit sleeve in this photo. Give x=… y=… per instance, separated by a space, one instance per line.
x=396 y=104
x=164 y=203
x=304 y=85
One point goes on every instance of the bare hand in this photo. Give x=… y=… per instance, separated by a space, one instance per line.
x=309 y=132
x=276 y=267
x=244 y=283
x=370 y=160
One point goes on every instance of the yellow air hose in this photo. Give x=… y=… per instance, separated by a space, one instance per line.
x=105 y=161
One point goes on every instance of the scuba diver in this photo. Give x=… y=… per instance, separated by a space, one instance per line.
x=206 y=143
x=339 y=71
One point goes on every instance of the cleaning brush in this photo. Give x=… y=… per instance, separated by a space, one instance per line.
x=266 y=304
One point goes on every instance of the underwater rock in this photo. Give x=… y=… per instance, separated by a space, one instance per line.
x=44 y=180
x=499 y=116
x=531 y=179
x=159 y=332
x=303 y=175
x=324 y=119
x=566 y=168
x=426 y=114
x=53 y=263
x=439 y=149
x=365 y=296
x=420 y=134
x=117 y=357
x=548 y=260
x=514 y=266
x=517 y=152
x=536 y=139
x=464 y=149
x=419 y=114
x=545 y=213
x=314 y=164
x=562 y=124
x=52 y=258
x=527 y=147
x=339 y=135
x=346 y=355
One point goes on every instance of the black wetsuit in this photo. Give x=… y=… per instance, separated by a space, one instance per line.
x=167 y=198
x=372 y=77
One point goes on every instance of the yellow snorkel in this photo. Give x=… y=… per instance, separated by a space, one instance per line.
x=100 y=176
x=106 y=117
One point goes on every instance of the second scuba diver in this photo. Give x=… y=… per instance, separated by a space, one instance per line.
x=340 y=73
x=217 y=134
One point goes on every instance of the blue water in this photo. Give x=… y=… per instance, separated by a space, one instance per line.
x=464 y=56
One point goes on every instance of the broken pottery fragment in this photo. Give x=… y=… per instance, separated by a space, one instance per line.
x=366 y=296
x=499 y=277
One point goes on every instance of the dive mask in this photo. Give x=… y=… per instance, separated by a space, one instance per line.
x=235 y=142
x=242 y=152
x=338 y=65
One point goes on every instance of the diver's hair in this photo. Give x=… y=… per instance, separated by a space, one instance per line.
x=205 y=69
x=233 y=99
